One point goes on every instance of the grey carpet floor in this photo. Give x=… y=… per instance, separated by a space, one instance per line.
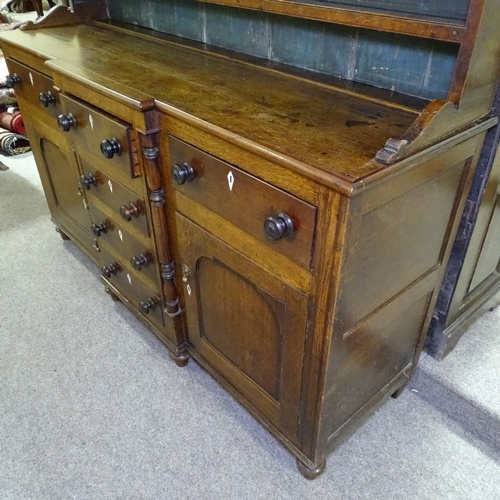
x=92 y=408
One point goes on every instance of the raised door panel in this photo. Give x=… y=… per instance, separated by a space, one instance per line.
x=249 y=326
x=60 y=177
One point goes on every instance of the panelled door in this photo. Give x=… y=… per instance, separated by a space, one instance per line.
x=247 y=324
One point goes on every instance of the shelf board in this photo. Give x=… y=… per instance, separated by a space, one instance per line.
x=422 y=28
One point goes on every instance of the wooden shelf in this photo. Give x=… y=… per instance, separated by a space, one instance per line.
x=422 y=28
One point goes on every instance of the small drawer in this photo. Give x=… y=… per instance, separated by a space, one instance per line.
x=137 y=293
x=125 y=203
x=97 y=132
x=272 y=216
x=138 y=254
x=35 y=88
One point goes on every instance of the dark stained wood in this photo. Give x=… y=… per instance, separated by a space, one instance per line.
x=470 y=290
x=60 y=15
x=118 y=235
x=60 y=175
x=244 y=200
x=471 y=93
x=152 y=168
x=217 y=282
x=92 y=126
x=132 y=288
x=116 y=196
x=32 y=84
x=291 y=119
x=312 y=341
x=355 y=17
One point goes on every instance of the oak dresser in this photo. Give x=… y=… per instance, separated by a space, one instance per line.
x=289 y=234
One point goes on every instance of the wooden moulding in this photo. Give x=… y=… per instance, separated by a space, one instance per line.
x=152 y=168
x=472 y=88
x=439 y=30
x=60 y=15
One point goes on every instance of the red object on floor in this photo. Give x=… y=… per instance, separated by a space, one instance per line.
x=13 y=122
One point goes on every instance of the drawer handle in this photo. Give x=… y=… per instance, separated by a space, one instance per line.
x=46 y=99
x=13 y=80
x=139 y=261
x=280 y=226
x=182 y=173
x=66 y=122
x=88 y=180
x=110 y=148
x=128 y=212
x=147 y=305
x=109 y=269
x=99 y=228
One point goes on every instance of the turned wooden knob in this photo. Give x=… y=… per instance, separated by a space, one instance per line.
x=99 y=228
x=182 y=173
x=88 y=180
x=109 y=269
x=13 y=80
x=139 y=261
x=280 y=226
x=46 y=99
x=110 y=148
x=147 y=305
x=66 y=122
x=127 y=212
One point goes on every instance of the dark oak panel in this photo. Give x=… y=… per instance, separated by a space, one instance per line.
x=245 y=200
x=117 y=197
x=32 y=84
x=92 y=126
x=263 y=360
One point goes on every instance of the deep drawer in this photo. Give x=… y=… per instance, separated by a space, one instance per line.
x=139 y=295
x=97 y=132
x=139 y=254
x=125 y=203
x=245 y=201
x=35 y=88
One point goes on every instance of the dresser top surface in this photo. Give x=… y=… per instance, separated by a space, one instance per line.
x=329 y=130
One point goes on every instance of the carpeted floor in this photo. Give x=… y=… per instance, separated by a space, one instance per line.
x=92 y=408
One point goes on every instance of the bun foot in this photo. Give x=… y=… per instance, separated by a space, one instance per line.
x=64 y=236
x=112 y=295
x=400 y=391
x=311 y=473
x=180 y=360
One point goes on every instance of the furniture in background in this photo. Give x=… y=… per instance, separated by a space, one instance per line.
x=471 y=284
x=288 y=232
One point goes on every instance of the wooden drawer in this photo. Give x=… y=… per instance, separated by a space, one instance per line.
x=133 y=289
x=91 y=128
x=125 y=203
x=244 y=200
x=31 y=85
x=131 y=248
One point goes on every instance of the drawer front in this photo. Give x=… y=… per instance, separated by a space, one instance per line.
x=125 y=203
x=95 y=130
x=245 y=201
x=34 y=88
x=139 y=254
x=137 y=293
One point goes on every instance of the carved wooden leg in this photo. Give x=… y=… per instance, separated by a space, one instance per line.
x=400 y=391
x=311 y=473
x=64 y=236
x=112 y=295
x=180 y=359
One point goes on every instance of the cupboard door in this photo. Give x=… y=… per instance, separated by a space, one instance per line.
x=247 y=324
x=60 y=177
